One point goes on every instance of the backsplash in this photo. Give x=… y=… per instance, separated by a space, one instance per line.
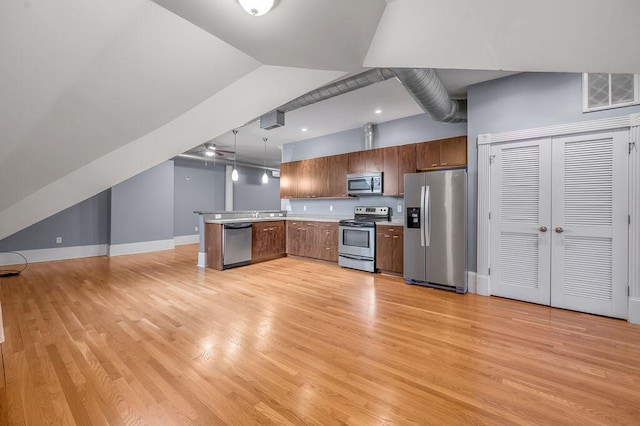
x=340 y=206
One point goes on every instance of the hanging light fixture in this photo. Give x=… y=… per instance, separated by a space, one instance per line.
x=256 y=7
x=265 y=178
x=234 y=173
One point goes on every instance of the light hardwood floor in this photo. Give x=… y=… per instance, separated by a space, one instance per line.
x=152 y=339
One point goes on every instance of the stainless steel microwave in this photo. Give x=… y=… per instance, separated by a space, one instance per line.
x=364 y=183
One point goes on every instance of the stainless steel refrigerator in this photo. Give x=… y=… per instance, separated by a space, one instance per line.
x=435 y=229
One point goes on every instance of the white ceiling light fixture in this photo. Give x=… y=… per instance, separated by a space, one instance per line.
x=265 y=178
x=210 y=153
x=378 y=111
x=257 y=7
x=234 y=173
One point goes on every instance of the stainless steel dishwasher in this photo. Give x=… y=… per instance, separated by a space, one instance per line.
x=236 y=244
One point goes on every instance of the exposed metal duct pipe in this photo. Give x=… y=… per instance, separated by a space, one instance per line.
x=427 y=90
x=346 y=85
x=221 y=161
x=423 y=85
x=368 y=136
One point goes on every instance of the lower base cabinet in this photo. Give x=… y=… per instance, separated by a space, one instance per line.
x=317 y=240
x=389 y=248
x=268 y=240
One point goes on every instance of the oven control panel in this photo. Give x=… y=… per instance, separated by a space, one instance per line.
x=413 y=217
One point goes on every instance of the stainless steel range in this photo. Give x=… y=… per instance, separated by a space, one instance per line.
x=357 y=241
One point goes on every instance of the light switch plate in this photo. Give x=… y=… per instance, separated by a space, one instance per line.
x=330 y=208
x=58 y=240
x=218 y=216
x=399 y=208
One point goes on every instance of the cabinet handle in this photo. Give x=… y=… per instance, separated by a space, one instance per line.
x=444 y=164
x=434 y=165
x=392 y=229
x=396 y=236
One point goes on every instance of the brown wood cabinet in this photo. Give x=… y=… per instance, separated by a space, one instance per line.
x=442 y=154
x=289 y=179
x=327 y=241
x=406 y=164
x=326 y=176
x=389 y=248
x=336 y=175
x=390 y=175
x=398 y=160
x=317 y=240
x=314 y=178
x=213 y=245
x=371 y=160
x=268 y=240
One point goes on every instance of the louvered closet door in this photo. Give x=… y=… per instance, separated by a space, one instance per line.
x=590 y=225
x=520 y=208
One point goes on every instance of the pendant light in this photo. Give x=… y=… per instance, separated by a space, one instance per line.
x=265 y=178
x=234 y=173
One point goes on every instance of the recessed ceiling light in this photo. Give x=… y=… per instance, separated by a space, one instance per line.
x=304 y=129
x=378 y=111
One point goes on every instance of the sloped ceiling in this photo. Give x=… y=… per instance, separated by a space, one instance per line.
x=93 y=92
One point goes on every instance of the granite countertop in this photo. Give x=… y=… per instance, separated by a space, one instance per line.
x=310 y=218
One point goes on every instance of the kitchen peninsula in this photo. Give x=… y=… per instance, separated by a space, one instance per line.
x=274 y=235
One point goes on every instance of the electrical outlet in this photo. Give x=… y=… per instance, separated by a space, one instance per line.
x=304 y=208
x=399 y=208
x=196 y=229
x=330 y=208
x=58 y=240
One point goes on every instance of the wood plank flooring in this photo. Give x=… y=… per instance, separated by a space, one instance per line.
x=151 y=339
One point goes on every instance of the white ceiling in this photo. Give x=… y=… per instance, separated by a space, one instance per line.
x=343 y=112
x=94 y=92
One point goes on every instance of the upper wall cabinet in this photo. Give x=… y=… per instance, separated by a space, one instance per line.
x=315 y=177
x=289 y=180
x=442 y=154
x=326 y=176
x=370 y=160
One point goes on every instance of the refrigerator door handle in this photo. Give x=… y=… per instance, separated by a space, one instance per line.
x=422 y=214
x=426 y=207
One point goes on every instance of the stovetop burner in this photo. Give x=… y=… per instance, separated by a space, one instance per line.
x=367 y=216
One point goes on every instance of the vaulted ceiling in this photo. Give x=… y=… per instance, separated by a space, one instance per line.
x=94 y=92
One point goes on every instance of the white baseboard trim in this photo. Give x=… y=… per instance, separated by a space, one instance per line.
x=202 y=259
x=142 y=247
x=50 y=254
x=482 y=286
x=634 y=310
x=472 y=282
x=186 y=239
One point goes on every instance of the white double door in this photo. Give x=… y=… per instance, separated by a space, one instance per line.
x=559 y=225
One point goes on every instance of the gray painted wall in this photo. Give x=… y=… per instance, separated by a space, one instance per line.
x=417 y=128
x=86 y=223
x=142 y=207
x=521 y=101
x=196 y=187
x=249 y=193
